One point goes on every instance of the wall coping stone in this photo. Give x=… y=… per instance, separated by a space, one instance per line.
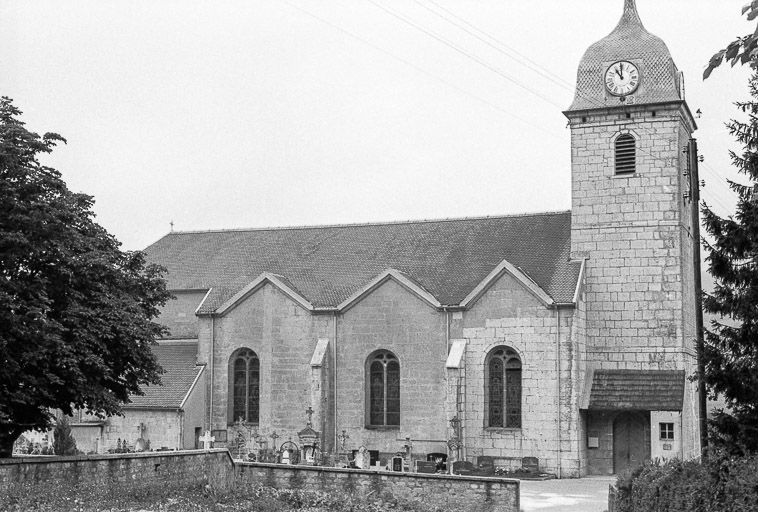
x=47 y=459
x=397 y=474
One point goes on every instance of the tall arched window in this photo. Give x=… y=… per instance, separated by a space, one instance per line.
x=383 y=390
x=625 y=154
x=503 y=388
x=244 y=386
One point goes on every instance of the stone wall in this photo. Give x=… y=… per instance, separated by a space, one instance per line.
x=510 y=315
x=177 y=470
x=450 y=492
x=118 y=472
x=392 y=318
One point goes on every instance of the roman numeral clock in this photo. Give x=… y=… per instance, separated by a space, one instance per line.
x=622 y=78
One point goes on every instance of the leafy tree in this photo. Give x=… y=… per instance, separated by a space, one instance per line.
x=731 y=344
x=742 y=50
x=63 y=441
x=76 y=313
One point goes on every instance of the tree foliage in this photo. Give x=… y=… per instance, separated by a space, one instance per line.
x=76 y=313
x=731 y=343
x=742 y=50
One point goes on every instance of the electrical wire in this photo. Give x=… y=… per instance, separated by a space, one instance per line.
x=463 y=52
x=409 y=64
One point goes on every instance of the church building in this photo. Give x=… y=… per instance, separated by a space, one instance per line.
x=563 y=336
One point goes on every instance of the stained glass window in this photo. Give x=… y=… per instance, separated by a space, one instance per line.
x=384 y=390
x=245 y=386
x=504 y=389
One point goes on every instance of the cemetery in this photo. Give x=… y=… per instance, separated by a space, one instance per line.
x=295 y=468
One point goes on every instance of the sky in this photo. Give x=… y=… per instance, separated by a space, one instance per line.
x=267 y=113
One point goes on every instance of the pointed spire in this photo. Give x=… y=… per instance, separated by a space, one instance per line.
x=631 y=18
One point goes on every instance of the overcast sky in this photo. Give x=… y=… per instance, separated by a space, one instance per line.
x=258 y=113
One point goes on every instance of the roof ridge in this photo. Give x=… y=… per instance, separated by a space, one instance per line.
x=361 y=224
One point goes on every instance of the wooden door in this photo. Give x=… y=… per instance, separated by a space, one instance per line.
x=630 y=448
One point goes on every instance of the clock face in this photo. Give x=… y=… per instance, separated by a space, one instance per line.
x=622 y=78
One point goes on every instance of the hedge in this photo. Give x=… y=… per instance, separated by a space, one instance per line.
x=717 y=483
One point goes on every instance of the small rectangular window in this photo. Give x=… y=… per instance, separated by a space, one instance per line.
x=667 y=431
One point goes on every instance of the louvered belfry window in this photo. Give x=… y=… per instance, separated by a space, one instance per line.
x=625 y=154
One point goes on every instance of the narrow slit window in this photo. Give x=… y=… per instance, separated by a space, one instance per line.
x=626 y=157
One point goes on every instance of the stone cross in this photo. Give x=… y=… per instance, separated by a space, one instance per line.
x=207 y=440
x=309 y=411
x=274 y=436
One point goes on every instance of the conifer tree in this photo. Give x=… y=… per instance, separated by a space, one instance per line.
x=731 y=342
x=63 y=441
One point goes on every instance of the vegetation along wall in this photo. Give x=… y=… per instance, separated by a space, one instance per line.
x=167 y=470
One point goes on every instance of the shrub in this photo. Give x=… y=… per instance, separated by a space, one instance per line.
x=63 y=442
x=720 y=482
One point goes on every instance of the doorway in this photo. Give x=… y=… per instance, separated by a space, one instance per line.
x=631 y=441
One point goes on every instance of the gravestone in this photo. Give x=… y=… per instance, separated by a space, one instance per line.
x=461 y=467
x=485 y=465
x=362 y=458
x=425 y=466
x=531 y=464
x=440 y=459
x=397 y=464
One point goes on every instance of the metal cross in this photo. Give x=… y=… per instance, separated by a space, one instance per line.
x=309 y=411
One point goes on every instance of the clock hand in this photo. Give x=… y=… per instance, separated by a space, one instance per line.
x=621 y=71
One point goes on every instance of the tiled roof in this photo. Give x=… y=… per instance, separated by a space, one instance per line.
x=644 y=390
x=178 y=361
x=327 y=264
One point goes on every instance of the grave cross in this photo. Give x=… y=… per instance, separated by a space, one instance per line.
x=309 y=411
x=207 y=440
x=274 y=436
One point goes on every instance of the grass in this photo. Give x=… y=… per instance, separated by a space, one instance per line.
x=207 y=498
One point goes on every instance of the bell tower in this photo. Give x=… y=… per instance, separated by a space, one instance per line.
x=631 y=223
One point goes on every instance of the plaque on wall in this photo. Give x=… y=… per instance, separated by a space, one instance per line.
x=397 y=464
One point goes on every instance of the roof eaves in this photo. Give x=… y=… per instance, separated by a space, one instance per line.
x=194 y=383
x=579 y=281
x=200 y=306
x=506 y=267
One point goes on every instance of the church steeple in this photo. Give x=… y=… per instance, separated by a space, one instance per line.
x=630 y=19
x=659 y=79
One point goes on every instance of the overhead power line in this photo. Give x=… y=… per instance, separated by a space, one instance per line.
x=410 y=64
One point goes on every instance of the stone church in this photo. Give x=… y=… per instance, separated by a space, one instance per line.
x=564 y=336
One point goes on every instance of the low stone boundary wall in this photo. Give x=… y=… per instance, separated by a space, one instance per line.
x=133 y=472
x=118 y=472
x=477 y=494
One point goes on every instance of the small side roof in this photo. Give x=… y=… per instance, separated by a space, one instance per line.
x=642 y=390
x=178 y=359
